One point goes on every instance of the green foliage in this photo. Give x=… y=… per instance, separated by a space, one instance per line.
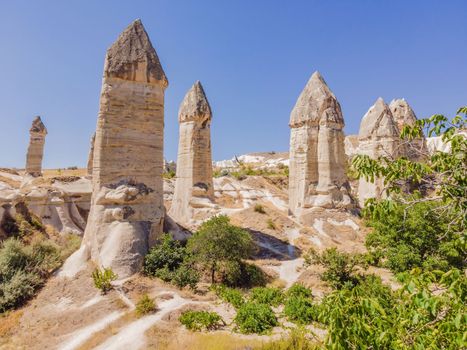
x=229 y=295
x=169 y=174
x=218 y=244
x=24 y=268
x=297 y=340
x=371 y=316
x=299 y=307
x=267 y=295
x=167 y=253
x=103 y=279
x=145 y=305
x=415 y=236
x=201 y=320
x=243 y=274
x=255 y=318
x=259 y=209
x=169 y=261
x=184 y=276
x=339 y=267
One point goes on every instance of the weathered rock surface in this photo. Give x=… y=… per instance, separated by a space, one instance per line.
x=378 y=136
x=36 y=147
x=91 y=155
x=127 y=208
x=317 y=159
x=194 y=185
x=404 y=115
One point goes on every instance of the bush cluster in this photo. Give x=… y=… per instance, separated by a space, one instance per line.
x=229 y=295
x=24 y=268
x=201 y=320
x=299 y=307
x=145 y=305
x=255 y=318
x=267 y=295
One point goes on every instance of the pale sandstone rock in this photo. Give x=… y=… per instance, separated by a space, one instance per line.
x=127 y=208
x=317 y=159
x=91 y=155
x=378 y=136
x=404 y=115
x=36 y=147
x=194 y=185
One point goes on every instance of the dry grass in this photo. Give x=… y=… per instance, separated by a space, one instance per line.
x=9 y=322
x=49 y=173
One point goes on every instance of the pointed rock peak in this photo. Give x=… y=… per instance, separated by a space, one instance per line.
x=195 y=105
x=378 y=121
x=402 y=112
x=315 y=103
x=132 y=57
x=38 y=126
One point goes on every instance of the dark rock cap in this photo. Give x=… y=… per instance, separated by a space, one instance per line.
x=195 y=105
x=38 y=126
x=132 y=57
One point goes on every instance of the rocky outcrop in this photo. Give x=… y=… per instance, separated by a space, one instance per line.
x=194 y=186
x=127 y=208
x=317 y=159
x=91 y=155
x=404 y=115
x=378 y=136
x=36 y=147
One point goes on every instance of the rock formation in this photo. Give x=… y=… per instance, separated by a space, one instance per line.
x=91 y=155
x=127 y=208
x=404 y=115
x=36 y=147
x=194 y=186
x=378 y=136
x=317 y=159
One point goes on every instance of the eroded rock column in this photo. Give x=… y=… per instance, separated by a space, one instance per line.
x=317 y=159
x=127 y=208
x=36 y=147
x=378 y=136
x=91 y=155
x=194 y=185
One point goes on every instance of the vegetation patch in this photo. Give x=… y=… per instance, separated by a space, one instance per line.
x=103 y=279
x=145 y=305
x=255 y=318
x=201 y=320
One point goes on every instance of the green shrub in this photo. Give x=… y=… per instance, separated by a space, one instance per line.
x=201 y=320
x=18 y=288
x=298 y=290
x=218 y=244
x=255 y=318
x=243 y=274
x=259 y=209
x=169 y=174
x=13 y=258
x=166 y=254
x=339 y=267
x=145 y=305
x=45 y=256
x=103 y=279
x=267 y=295
x=229 y=295
x=300 y=310
x=414 y=236
x=184 y=276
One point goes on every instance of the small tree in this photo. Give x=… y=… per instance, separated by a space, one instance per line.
x=218 y=243
x=103 y=279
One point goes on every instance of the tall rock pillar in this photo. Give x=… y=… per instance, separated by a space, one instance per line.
x=194 y=185
x=378 y=136
x=127 y=209
x=317 y=160
x=91 y=155
x=36 y=147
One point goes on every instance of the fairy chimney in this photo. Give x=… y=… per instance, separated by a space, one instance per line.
x=127 y=209
x=194 y=185
x=378 y=136
x=36 y=147
x=91 y=155
x=403 y=114
x=317 y=159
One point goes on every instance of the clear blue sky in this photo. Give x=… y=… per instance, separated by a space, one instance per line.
x=253 y=58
